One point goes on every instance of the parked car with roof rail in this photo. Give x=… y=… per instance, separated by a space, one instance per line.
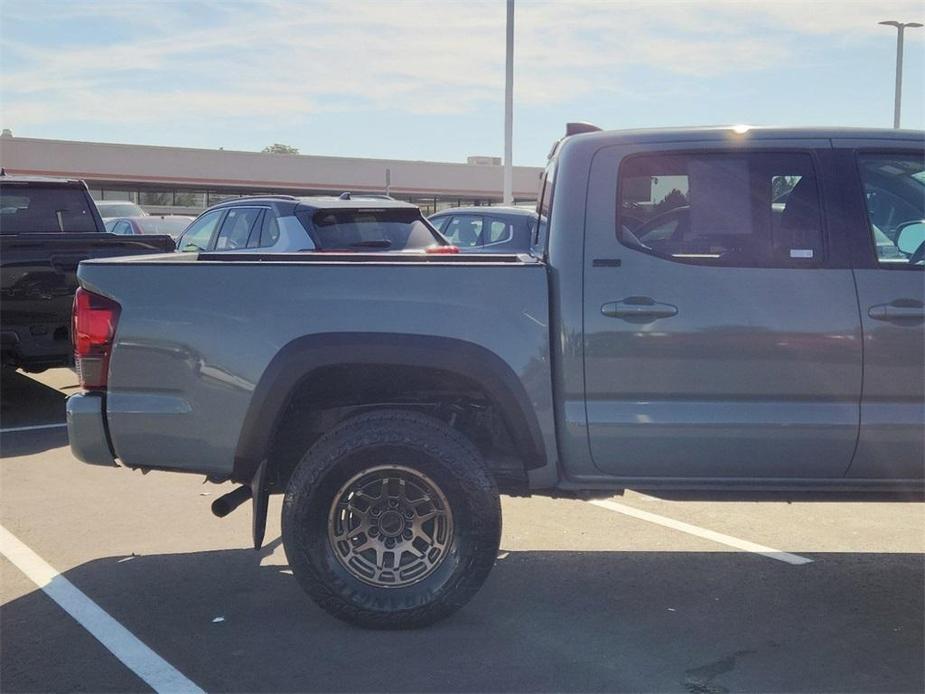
x=172 y=225
x=288 y=224
x=487 y=229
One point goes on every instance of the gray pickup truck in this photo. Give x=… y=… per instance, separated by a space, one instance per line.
x=716 y=310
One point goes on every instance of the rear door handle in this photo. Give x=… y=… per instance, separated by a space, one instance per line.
x=899 y=310
x=640 y=308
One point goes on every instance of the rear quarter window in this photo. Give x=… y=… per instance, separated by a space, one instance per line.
x=42 y=209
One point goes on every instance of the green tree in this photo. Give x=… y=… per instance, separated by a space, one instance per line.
x=277 y=148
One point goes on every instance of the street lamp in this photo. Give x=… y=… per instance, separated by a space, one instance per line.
x=900 y=29
x=508 y=194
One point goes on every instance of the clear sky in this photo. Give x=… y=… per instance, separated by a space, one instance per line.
x=425 y=80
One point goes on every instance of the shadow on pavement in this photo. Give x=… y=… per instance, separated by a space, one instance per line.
x=26 y=402
x=701 y=623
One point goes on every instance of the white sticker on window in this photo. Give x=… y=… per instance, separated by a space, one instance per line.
x=801 y=252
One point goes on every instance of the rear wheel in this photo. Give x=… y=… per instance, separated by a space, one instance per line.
x=391 y=520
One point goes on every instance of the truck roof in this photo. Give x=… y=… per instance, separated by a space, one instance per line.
x=42 y=180
x=744 y=133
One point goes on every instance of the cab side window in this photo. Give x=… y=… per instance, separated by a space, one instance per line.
x=738 y=210
x=199 y=233
x=894 y=192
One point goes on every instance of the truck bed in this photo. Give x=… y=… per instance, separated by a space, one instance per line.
x=198 y=333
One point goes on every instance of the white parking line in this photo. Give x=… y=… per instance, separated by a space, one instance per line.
x=722 y=539
x=9 y=430
x=135 y=655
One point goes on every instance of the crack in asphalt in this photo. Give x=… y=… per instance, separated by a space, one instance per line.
x=699 y=680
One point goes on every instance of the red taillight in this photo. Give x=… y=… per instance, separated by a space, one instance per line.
x=442 y=250
x=92 y=332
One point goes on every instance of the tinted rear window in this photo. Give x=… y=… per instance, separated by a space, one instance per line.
x=370 y=230
x=44 y=209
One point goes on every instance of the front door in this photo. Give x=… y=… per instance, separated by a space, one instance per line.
x=722 y=337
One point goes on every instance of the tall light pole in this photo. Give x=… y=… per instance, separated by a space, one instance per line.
x=900 y=29
x=509 y=108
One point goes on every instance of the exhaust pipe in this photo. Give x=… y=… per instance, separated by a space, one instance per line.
x=227 y=503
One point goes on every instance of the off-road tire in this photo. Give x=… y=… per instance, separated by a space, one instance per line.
x=427 y=446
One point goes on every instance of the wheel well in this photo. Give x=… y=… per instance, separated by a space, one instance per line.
x=328 y=395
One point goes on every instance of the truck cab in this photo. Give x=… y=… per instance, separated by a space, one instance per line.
x=748 y=306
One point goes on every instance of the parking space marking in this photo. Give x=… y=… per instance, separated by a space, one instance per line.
x=721 y=538
x=10 y=430
x=135 y=655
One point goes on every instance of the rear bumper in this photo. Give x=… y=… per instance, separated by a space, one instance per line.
x=86 y=429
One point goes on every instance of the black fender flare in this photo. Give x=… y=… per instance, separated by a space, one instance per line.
x=299 y=358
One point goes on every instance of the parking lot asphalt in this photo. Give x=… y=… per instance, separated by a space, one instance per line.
x=582 y=597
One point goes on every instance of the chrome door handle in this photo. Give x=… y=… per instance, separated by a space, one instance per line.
x=642 y=308
x=899 y=310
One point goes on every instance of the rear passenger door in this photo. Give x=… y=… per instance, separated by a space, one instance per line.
x=886 y=190
x=236 y=228
x=721 y=325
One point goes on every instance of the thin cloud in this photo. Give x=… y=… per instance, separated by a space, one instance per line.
x=171 y=61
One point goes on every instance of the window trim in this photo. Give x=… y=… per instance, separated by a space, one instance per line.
x=550 y=172
x=871 y=247
x=256 y=228
x=269 y=216
x=819 y=171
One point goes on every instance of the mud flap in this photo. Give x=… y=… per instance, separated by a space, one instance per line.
x=260 y=495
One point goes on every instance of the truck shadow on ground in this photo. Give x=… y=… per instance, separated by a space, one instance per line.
x=26 y=402
x=696 y=622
